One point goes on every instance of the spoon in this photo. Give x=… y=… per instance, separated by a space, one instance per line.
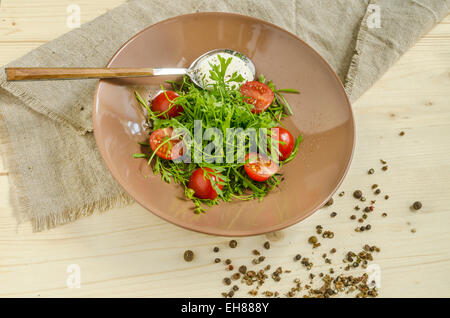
x=38 y=73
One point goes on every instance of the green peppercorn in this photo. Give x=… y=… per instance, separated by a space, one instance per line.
x=188 y=255
x=243 y=269
x=357 y=194
x=417 y=205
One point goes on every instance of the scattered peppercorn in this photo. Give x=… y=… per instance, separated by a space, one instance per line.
x=319 y=229
x=413 y=230
x=357 y=194
x=251 y=274
x=188 y=255
x=384 y=168
x=332 y=285
x=417 y=205
x=402 y=133
x=312 y=240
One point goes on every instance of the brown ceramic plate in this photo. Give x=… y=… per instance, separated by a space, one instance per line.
x=322 y=114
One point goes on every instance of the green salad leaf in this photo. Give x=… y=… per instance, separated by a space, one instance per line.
x=218 y=107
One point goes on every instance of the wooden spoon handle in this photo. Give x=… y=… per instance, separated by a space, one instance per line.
x=37 y=73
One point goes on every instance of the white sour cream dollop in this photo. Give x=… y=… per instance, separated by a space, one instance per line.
x=236 y=65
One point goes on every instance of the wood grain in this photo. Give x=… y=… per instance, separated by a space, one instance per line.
x=130 y=252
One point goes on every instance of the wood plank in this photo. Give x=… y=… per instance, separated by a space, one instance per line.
x=130 y=252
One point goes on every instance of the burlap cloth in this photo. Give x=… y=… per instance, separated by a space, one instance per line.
x=55 y=171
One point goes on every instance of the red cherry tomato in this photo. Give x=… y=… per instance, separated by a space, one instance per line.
x=170 y=149
x=259 y=167
x=162 y=103
x=258 y=94
x=286 y=142
x=201 y=183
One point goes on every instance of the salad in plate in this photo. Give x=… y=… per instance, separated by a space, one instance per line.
x=221 y=143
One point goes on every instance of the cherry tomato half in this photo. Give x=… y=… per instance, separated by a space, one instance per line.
x=258 y=94
x=201 y=183
x=170 y=149
x=286 y=142
x=259 y=168
x=162 y=103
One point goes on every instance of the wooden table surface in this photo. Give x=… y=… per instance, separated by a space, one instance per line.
x=130 y=252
